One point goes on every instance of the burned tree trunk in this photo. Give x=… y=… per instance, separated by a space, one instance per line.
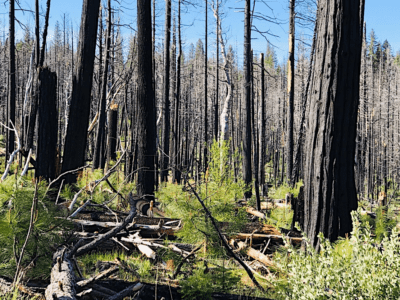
x=167 y=123
x=330 y=191
x=78 y=121
x=112 y=132
x=177 y=153
x=247 y=101
x=205 y=88
x=290 y=88
x=99 y=155
x=47 y=125
x=146 y=108
x=11 y=87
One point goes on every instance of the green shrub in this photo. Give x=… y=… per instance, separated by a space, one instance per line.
x=16 y=198
x=281 y=191
x=202 y=283
x=355 y=268
x=282 y=217
x=220 y=192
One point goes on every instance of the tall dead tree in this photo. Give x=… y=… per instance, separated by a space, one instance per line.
x=99 y=151
x=216 y=103
x=206 y=87
x=330 y=191
x=262 y=127
x=224 y=118
x=177 y=152
x=146 y=118
x=290 y=90
x=78 y=120
x=247 y=60
x=166 y=119
x=11 y=87
x=47 y=125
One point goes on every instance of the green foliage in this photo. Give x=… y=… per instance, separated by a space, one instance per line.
x=282 y=190
x=16 y=198
x=219 y=192
x=283 y=217
x=355 y=268
x=87 y=179
x=384 y=223
x=203 y=282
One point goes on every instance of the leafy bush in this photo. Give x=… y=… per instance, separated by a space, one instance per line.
x=355 y=268
x=16 y=196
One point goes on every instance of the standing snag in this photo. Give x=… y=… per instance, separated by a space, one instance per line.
x=330 y=191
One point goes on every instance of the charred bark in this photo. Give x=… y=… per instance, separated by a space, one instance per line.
x=247 y=177
x=166 y=119
x=330 y=191
x=146 y=117
x=78 y=121
x=47 y=125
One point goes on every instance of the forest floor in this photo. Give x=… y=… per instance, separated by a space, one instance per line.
x=197 y=240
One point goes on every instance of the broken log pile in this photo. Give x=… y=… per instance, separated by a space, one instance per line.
x=101 y=229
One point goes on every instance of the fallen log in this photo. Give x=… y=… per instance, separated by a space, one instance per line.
x=101 y=289
x=62 y=279
x=137 y=240
x=155 y=228
x=257 y=255
x=81 y=284
x=146 y=250
x=6 y=288
x=126 y=292
x=132 y=213
x=256 y=213
x=261 y=237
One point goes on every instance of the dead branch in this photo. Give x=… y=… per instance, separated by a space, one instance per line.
x=113 y=232
x=178 y=268
x=224 y=242
x=126 y=292
x=14 y=152
x=83 y=283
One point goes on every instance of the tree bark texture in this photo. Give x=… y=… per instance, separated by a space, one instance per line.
x=330 y=191
x=112 y=132
x=78 y=121
x=167 y=123
x=177 y=125
x=12 y=86
x=47 y=125
x=206 y=88
x=99 y=152
x=290 y=88
x=247 y=100
x=146 y=111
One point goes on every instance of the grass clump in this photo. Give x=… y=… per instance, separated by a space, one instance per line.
x=355 y=268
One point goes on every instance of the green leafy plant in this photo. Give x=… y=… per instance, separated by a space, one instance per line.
x=355 y=268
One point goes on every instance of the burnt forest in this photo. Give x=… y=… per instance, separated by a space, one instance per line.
x=198 y=149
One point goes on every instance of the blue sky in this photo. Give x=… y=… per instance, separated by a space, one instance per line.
x=381 y=15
